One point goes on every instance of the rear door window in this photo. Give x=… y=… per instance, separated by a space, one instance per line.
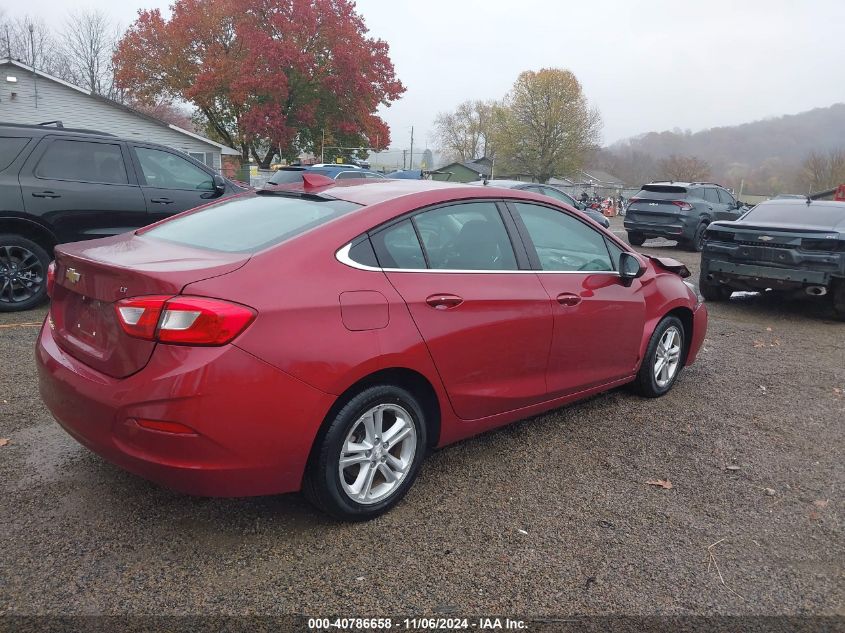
x=710 y=195
x=83 y=161
x=10 y=148
x=467 y=236
x=398 y=247
x=249 y=224
x=169 y=171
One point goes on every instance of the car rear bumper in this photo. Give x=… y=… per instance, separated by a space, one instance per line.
x=757 y=275
x=673 y=228
x=253 y=425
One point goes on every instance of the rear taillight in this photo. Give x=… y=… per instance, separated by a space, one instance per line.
x=633 y=200
x=831 y=246
x=715 y=235
x=685 y=206
x=51 y=278
x=199 y=321
x=183 y=320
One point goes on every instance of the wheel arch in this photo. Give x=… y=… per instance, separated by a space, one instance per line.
x=34 y=231
x=685 y=316
x=409 y=379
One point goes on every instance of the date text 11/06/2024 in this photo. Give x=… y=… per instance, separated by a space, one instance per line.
x=416 y=624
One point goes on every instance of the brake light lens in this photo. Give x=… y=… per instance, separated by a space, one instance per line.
x=139 y=316
x=200 y=321
x=183 y=320
x=633 y=200
x=51 y=278
x=685 y=206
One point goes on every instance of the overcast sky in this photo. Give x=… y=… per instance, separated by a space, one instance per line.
x=650 y=65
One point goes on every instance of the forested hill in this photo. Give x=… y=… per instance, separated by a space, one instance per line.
x=767 y=153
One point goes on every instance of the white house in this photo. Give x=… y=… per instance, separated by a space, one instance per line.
x=31 y=96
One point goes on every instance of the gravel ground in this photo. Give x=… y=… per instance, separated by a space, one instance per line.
x=549 y=516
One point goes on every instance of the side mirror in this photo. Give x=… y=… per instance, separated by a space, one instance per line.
x=219 y=184
x=630 y=267
x=739 y=205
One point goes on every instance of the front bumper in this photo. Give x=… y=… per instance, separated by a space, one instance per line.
x=699 y=331
x=253 y=424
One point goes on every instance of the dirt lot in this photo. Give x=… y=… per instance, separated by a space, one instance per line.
x=549 y=516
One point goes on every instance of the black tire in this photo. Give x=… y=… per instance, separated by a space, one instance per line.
x=23 y=273
x=322 y=485
x=838 y=297
x=696 y=244
x=714 y=292
x=636 y=239
x=646 y=383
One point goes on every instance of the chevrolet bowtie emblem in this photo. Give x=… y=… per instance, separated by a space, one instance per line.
x=766 y=238
x=72 y=276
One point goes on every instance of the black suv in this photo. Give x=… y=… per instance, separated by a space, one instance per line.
x=63 y=185
x=785 y=245
x=678 y=211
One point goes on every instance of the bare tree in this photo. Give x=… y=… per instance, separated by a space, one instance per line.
x=821 y=172
x=89 y=41
x=29 y=40
x=684 y=168
x=464 y=134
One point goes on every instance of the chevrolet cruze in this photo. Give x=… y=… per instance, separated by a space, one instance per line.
x=324 y=337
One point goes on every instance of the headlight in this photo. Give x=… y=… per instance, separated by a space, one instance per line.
x=694 y=289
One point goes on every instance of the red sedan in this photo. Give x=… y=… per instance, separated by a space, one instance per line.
x=325 y=337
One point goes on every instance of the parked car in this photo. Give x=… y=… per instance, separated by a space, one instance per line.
x=786 y=244
x=293 y=175
x=62 y=185
x=678 y=211
x=550 y=191
x=325 y=339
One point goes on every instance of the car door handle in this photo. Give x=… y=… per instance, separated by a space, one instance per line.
x=444 y=301
x=568 y=299
x=45 y=194
x=161 y=200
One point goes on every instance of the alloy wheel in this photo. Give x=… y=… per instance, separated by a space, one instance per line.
x=21 y=274
x=377 y=453
x=667 y=356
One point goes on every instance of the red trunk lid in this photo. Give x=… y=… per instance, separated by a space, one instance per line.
x=92 y=276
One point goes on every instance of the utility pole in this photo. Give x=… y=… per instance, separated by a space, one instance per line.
x=411 y=166
x=34 y=74
x=323 y=148
x=404 y=155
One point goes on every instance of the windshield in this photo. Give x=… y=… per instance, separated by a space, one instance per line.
x=249 y=224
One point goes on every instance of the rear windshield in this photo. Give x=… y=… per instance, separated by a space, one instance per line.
x=250 y=224
x=661 y=192
x=10 y=147
x=821 y=215
x=286 y=176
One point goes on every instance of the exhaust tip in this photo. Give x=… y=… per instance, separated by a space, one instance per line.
x=816 y=291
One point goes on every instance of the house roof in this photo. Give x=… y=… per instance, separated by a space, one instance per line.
x=224 y=149
x=474 y=166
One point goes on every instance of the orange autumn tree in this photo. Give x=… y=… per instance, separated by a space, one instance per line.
x=267 y=77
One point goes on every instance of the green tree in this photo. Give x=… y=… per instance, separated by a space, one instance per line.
x=545 y=126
